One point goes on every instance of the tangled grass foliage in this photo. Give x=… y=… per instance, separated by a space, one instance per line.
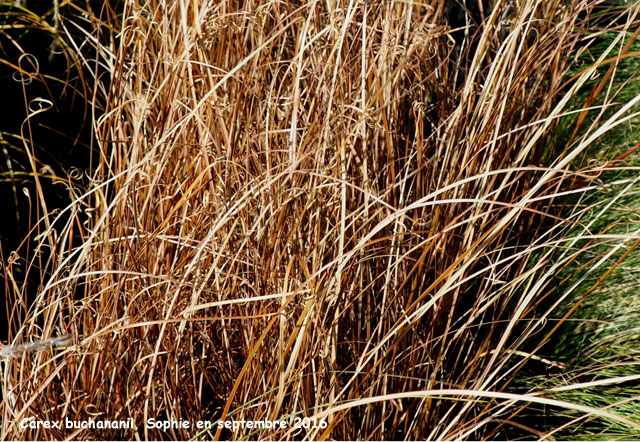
x=352 y=210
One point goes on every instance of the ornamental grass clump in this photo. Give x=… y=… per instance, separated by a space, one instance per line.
x=349 y=211
x=592 y=334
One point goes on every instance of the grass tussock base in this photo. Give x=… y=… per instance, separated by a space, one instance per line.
x=342 y=210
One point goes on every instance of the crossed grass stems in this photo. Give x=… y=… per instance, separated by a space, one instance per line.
x=345 y=210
